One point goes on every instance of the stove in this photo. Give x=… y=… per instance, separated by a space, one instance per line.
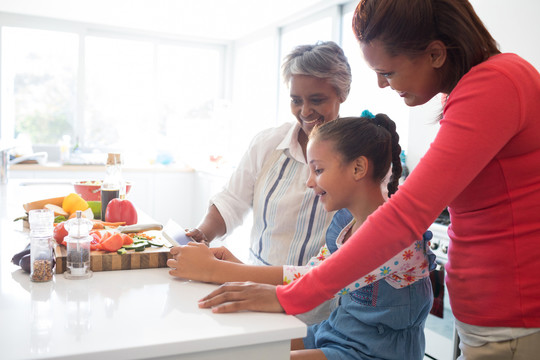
x=442 y=342
x=440 y=241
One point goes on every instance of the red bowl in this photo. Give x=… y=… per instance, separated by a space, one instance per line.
x=91 y=190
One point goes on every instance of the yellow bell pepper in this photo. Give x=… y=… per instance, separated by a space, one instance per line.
x=74 y=202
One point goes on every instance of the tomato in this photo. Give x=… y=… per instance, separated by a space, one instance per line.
x=121 y=210
x=112 y=243
x=126 y=239
x=95 y=244
x=60 y=232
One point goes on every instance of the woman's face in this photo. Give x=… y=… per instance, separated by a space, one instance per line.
x=329 y=177
x=314 y=101
x=414 y=79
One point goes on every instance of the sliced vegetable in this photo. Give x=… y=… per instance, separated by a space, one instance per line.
x=121 y=251
x=98 y=224
x=95 y=245
x=136 y=247
x=106 y=235
x=127 y=240
x=112 y=243
x=153 y=243
x=140 y=248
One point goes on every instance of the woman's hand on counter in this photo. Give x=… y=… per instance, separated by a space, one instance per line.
x=232 y=297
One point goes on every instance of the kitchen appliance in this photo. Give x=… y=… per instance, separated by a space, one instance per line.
x=441 y=337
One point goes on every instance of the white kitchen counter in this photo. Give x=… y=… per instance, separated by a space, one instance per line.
x=130 y=314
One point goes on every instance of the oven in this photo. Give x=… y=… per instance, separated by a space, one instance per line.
x=441 y=336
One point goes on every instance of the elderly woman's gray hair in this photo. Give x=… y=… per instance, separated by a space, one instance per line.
x=322 y=60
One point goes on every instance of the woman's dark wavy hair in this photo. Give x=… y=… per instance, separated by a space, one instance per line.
x=409 y=26
x=375 y=138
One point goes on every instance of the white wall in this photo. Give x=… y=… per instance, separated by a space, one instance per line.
x=514 y=25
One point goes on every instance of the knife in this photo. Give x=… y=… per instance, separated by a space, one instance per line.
x=175 y=233
x=138 y=228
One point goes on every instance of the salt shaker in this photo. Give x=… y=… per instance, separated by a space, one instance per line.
x=78 y=247
x=41 y=249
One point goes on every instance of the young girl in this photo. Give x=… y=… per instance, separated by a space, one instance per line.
x=381 y=315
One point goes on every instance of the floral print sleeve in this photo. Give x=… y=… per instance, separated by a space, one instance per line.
x=405 y=268
x=291 y=272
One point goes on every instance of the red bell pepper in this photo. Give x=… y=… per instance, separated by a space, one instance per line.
x=121 y=210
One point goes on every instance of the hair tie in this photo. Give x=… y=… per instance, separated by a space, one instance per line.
x=368 y=114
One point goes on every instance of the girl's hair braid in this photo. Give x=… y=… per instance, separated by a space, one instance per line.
x=373 y=137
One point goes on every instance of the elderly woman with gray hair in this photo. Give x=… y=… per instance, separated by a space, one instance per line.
x=289 y=223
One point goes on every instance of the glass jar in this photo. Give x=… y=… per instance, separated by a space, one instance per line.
x=41 y=247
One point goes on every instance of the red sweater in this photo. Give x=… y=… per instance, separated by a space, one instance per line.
x=485 y=165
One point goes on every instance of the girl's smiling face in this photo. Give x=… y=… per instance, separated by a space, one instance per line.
x=314 y=101
x=416 y=79
x=329 y=177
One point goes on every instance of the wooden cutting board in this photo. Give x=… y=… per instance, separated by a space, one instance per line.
x=151 y=257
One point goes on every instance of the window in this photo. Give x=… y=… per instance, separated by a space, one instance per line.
x=119 y=99
x=254 y=90
x=152 y=99
x=365 y=92
x=39 y=83
x=190 y=102
x=157 y=98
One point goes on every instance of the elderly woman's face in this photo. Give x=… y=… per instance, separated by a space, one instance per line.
x=314 y=101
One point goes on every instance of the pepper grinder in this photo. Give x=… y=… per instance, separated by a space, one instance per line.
x=78 y=247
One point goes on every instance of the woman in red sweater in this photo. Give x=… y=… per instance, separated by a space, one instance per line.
x=484 y=164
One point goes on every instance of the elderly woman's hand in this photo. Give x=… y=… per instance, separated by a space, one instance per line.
x=197 y=235
x=231 y=297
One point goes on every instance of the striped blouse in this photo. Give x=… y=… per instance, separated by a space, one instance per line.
x=289 y=222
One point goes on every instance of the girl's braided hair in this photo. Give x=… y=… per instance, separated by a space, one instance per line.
x=373 y=137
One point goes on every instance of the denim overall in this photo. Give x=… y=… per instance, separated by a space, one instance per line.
x=377 y=321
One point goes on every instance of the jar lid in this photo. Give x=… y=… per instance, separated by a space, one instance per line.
x=41 y=220
x=114 y=159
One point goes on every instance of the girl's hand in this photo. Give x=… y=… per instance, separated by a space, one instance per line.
x=197 y=235
x=222 y=253
x=194 y=261
x=231 y=297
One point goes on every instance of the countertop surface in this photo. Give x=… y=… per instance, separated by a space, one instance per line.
x=130 y=314
x=98 y=168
